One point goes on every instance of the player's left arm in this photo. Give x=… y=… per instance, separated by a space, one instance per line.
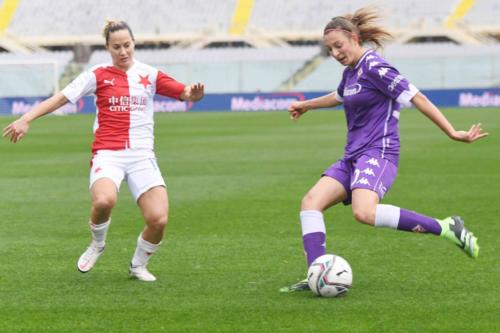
x=193 y=93
x=425 y=106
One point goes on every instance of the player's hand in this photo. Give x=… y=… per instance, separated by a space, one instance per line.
x=473 y=134
x=296 y=109
x=16 y=130
x=195 y=92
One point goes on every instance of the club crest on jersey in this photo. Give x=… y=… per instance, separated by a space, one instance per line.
x=144 y=80
x=360 y=72
x=353 y=89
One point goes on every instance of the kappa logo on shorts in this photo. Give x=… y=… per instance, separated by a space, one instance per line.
x=374 y=162
x=97 y=169
x=368 y=171
x=363 y=181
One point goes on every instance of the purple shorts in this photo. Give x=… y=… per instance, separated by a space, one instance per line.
x=375 y=174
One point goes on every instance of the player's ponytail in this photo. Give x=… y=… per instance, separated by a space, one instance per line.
x=112 y=26
x=362 y=24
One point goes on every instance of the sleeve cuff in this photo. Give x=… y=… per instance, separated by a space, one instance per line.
x=71 y=99
x=338 y=97
x=405 y=97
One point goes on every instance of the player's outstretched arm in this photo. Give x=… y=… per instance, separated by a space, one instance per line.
x=422 y=103
x=16 y=130
x=296 y=109
x=193 y=93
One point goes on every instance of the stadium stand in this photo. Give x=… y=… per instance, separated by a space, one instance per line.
x=85 y=17
x=283 y=16
x=483 y=15
x=279 y=41
x=59 y=22
x=428 y=66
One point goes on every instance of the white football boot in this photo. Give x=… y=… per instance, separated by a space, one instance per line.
x=88 y=259
x=141 y=273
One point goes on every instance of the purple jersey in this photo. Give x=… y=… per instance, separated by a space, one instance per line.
x=372 y=93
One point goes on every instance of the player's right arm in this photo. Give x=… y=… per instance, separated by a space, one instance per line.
x=18 y=128
x=296 y=109
x=84 y=84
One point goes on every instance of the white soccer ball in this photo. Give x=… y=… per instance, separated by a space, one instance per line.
x=329 y=276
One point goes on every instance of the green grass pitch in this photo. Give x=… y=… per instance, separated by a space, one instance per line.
x=235 y=182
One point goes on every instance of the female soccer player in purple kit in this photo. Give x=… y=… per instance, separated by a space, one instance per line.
x=371 y=91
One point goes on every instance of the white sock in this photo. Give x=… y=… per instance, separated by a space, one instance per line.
x=99 y=232
x=387 y=216
x=143 y=252
x=312 y=221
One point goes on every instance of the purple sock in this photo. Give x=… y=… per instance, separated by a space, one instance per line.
x=411 y=221
x=314 y=245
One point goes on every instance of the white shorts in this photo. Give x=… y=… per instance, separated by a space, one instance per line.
x=137 y=167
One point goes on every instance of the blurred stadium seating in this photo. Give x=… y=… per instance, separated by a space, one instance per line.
x=244 y=45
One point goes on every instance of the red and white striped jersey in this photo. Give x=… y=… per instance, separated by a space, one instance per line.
x=124 y=103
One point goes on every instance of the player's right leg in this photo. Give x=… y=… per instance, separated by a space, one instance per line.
x=326 y=193
x=104 y=194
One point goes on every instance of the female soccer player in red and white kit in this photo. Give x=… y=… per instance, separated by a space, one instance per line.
x=123 y=141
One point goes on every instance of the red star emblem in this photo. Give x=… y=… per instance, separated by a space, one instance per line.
x=145 y=81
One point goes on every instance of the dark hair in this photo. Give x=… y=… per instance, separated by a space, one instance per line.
x=112 y=26
x=362 y=24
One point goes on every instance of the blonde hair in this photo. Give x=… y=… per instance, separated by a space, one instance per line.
x=361 y=23
x=114 y=25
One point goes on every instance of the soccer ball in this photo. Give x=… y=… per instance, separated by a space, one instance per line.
x=329 y=276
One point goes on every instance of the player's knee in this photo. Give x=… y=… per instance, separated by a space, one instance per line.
x=365 y=216
x=308 y=202
x=157 y=220
x=104 y=202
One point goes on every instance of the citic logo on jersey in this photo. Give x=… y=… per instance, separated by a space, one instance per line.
x=127 y=103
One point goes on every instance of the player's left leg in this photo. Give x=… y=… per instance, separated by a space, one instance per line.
x=149 y=190
x=372 y=179
x=154 y=207
x=453 y=229
x=366 y=209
